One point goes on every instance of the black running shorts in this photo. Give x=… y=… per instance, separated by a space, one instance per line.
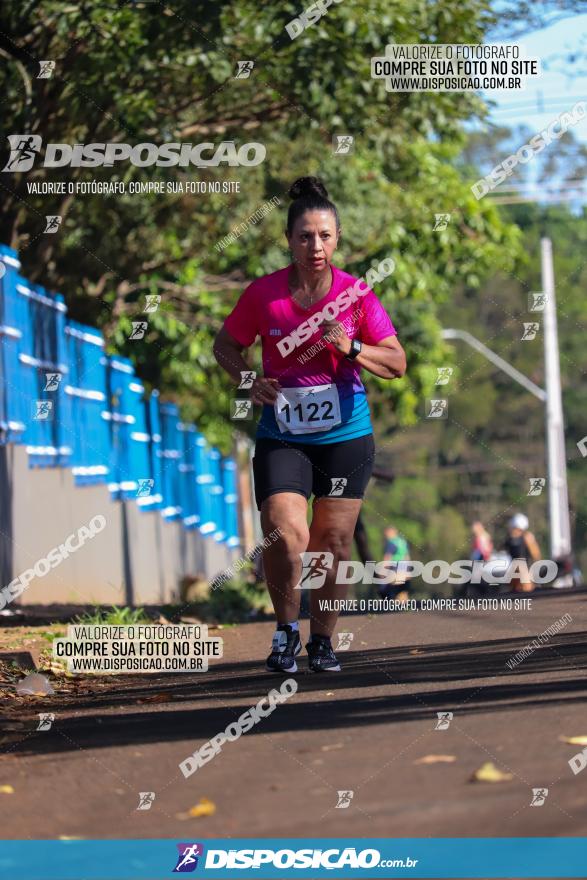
x=313 y=468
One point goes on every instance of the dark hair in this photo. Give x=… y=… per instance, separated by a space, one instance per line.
x=309 y=194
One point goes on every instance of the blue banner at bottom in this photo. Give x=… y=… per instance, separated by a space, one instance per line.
x=300 y=857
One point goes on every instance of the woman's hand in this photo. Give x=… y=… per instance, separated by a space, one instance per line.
x=264 y=390
x=334 y=332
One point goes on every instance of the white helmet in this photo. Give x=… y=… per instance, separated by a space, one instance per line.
x=519 y=521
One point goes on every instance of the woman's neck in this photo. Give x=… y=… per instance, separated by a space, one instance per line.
x=308 y=283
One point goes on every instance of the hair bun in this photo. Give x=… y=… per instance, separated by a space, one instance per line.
x=307 y=186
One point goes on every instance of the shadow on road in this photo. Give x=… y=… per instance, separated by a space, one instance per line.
x=210 y=700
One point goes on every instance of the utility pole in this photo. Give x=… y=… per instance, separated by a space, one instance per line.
x=558 y=498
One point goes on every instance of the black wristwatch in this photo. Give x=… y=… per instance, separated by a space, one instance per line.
x=356 y=346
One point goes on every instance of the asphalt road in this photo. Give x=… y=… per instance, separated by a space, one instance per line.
x=361 y=730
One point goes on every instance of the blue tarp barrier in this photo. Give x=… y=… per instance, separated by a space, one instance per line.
x=72 y=405
x=86 y=388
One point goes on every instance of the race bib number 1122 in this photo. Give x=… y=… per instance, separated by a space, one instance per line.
x=308 y=409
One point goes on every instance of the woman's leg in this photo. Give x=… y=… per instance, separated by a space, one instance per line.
x=286 y=511
x=332 y=528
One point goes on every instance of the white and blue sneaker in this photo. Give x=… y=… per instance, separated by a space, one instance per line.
x=285 y=647
x=321 y=657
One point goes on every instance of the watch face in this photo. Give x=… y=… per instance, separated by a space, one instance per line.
x=355 y=349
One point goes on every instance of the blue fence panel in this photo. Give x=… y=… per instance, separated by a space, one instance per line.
x=140 y=468
x=229 y=482
x=48 y=434
x=150 y=491
x=171 y=454
x=13 y=412
x=189 y=497
x=217 y=492
x=86 y=389
x=121 y=415
x=204 y=481
x=74 y=406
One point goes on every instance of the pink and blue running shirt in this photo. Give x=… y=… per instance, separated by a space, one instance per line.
x=295 y=353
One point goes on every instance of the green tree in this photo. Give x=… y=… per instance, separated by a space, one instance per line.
x=139 y=72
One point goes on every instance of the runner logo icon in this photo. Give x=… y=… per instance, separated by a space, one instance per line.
x=343 y=143
x=146 y=799
x=344 y=800
x=441 y=222
x=244 y=69
x=338 y=485
x=24 y=149
x=46 y=719
x=530 y=330
x=444 y=719
x=536 y=302
x=314 y=567
x=437 y=409
x=443 y=375
x=247 y=378
x=53 y=380
x=46 y=69
x=537 y=484
x=539 y=796
x=344 y=641
x=187 y=860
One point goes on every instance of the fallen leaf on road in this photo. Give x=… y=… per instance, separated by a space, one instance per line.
x=436 y=759
x=329 y=693
x=488 y=772
x=6 y=789
x=331 y=747
x=574 y=740
x=204 y=807
x=416 y=651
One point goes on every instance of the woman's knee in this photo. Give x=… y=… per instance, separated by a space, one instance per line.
x=334 y=540
x=285 y=519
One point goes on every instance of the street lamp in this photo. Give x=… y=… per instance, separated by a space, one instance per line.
x=558 y=501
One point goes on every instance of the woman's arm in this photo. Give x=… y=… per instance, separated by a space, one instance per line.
x=228 y=353
x=532 y=545
x=387 y=359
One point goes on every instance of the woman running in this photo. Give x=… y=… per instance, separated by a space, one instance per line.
x=318 y=326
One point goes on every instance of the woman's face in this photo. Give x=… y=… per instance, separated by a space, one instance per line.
x=313 y=240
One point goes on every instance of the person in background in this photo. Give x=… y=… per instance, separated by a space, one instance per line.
x=482 y=545
x=521 y=544
x=396 y=550
x=481 y=549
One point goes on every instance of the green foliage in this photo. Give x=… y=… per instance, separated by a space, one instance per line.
x=115 y=616
x=477 y=464
x=143 y=73
x=237 y=600
x=147 y=73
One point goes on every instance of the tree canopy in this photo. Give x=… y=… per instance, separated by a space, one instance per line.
x=145 y=72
